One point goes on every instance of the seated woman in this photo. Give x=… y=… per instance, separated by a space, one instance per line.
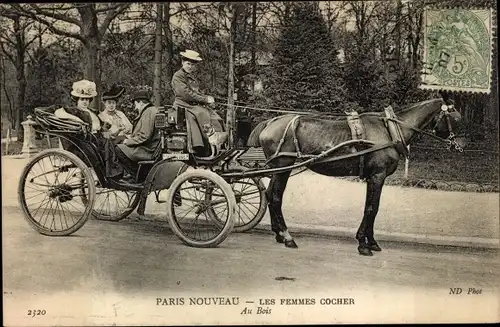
x=202 y=121
x=120 y=124
x=82 y=93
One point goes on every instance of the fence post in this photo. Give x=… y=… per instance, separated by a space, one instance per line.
x=407 y=163
x=29 y=144
x=7 y=143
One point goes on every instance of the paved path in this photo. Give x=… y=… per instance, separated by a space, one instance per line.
x=312 y=200
x=110 y=273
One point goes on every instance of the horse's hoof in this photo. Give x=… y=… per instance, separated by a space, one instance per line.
x=280 y=239
x=291 y=244
x=375 y=247
x=363 y=250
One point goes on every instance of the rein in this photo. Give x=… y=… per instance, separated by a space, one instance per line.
x=450 y=141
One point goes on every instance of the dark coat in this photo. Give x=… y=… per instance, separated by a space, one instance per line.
x=187 y=89
x=144 y=139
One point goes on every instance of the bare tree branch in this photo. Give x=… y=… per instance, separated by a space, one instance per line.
x=7 y=53
x=50 y=25
x=8 y=40
x=35 y=37
x=108 y=8
x=57 y=16
x=185 y=8
x=112 y=15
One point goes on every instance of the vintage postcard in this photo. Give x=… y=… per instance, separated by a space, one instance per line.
x=219 y=163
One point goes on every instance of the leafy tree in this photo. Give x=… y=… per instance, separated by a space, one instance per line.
x=51 y=74
x=305 y=73
x=368 y=82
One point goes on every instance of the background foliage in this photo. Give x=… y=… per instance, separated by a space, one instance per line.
x=321 y=56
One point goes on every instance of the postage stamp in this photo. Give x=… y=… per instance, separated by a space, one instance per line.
x=457 y=50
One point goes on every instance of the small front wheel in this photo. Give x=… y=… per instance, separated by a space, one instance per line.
x=250 y=194
x=189 y=208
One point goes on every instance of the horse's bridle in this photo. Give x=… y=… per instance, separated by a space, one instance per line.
x=445 y=113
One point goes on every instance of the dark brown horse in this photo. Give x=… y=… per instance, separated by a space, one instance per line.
x=314 y=135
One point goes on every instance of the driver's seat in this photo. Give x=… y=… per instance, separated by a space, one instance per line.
x=145 y=165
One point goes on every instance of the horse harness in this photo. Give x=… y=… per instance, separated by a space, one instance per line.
x=392 y=123
x=357 y=134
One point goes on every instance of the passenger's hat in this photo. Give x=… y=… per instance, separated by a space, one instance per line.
x=84 y=89
x=191 y=55
x=142 y=95
x=113 y=93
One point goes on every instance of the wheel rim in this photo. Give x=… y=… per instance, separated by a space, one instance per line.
x=248 y=199
x=51 y=193
x=191 y=212
x=112 y=204
x=250 y=203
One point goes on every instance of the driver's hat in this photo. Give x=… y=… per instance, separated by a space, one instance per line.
x=191 y=55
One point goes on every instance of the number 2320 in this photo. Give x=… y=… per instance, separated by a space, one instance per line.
x=34 y=313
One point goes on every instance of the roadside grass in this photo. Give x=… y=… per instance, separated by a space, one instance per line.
x=440 y=164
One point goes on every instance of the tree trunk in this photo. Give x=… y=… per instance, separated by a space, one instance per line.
x=11 y=110
x=157 y=62
x=20 y=76
x=169 y=41
x=416 y=48
x=231 y=114
x=398 y=32
x=254 y=38
x=92 y=68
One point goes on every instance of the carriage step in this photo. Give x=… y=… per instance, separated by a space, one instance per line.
x=253 y=154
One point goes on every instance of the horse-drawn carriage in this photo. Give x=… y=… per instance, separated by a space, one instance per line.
x=211 y=196
x=59 y=190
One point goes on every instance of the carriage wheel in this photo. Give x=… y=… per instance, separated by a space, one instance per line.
x=250 y=194
x=49 y=192
x=112 y=205
x=188 y=208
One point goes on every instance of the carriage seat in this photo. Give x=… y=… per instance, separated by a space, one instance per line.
x=156 y=156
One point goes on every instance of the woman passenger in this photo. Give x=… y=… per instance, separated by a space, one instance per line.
x=120 y=124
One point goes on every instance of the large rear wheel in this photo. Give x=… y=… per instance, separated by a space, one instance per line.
x=49 y=193
x=189 y=206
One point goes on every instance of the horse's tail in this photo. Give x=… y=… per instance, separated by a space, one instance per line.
x=253 y=139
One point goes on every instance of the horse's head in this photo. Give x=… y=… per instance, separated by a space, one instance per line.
x=448 y=124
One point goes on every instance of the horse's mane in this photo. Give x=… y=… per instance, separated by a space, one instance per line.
x=409 y=107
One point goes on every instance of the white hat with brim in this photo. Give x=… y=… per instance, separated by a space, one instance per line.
x=84 y=89
x=191 y=55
